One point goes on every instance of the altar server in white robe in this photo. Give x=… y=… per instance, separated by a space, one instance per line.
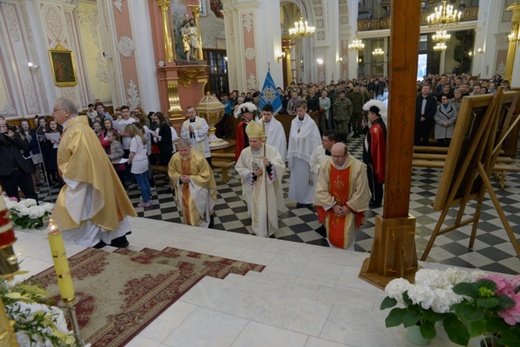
x=261 y=169
x=274 y=131
x=304 y=138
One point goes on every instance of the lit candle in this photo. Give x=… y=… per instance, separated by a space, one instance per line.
x=61 y=263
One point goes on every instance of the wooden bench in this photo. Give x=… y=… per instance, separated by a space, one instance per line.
x=435 y=156
x=224 y=166
x=160 y=168
x=500 y=168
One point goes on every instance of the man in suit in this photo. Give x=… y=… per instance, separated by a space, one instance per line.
x=15 y=170
x=425 y=109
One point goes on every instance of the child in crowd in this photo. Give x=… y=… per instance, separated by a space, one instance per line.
x=115 y=152
x=52 y=169
x=139 y=160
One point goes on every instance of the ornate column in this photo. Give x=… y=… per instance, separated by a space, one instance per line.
x=169 y=42
x=513 y=41
x=251 y=27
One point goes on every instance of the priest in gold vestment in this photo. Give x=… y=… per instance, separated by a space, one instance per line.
x=261 y=170
x=93 y=205
x=195 y=187
x=342 y=196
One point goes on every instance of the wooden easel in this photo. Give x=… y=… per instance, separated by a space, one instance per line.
x=474 y=169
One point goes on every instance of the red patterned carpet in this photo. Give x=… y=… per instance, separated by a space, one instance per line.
x=120 y=293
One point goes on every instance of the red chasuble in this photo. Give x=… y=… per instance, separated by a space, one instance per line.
x=340 y=190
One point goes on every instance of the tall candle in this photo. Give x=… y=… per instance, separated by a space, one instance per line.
x=61 y=264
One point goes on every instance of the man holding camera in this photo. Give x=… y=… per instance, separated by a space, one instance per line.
x=15 y=171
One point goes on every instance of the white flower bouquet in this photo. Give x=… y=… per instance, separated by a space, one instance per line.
x=28 y=214
x=427 y=302
x=37 y=323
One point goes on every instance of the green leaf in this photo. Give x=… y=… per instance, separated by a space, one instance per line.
x=395 y=317
x=412 y=316
x=407 y=300
x=505 y=302
x=487 y=302
x=471 y=313
x=431 y=316
x=495 y=324
x=428 y=330
x=387 y=303
x=485 y=283
x=477 y=328
x=466 y=289
x=456 y=330
x=511 y=337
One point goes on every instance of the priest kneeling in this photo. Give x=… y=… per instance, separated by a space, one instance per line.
x=195 y=186
x=342 y=196
x=261 y=170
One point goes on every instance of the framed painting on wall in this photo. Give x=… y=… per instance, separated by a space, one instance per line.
x=63 y=67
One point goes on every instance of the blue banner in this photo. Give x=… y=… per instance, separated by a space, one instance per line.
x=269 y=95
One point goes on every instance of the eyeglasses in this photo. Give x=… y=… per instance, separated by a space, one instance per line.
x=338 y=156
x=58 y=109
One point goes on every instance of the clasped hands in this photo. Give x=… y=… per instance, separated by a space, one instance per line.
x=185 y=178
x=340 y=211
x=259 y=172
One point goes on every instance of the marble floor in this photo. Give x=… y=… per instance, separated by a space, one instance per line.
x=307 y=295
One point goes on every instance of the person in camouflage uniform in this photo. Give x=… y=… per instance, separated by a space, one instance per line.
x=358 y=99
x=342 y=114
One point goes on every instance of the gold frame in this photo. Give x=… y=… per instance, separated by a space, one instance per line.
x=63 y=60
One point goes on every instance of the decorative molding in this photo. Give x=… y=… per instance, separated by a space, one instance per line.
x=320 y=35
x=70 y=93
x=30 y=96
x=320 y=23
x=247 y=21
x=125 y=46
x=92 y=17
x=188 y=75
x=54 y=24
x=250 y=53
x=119 y=5
x=28 y=28
x=502 y=41
x=133 y=95
x=8 y=109
x=318 y=11
x=231 y=31
x=102 y=69
x=251 y=82
x=11 y=21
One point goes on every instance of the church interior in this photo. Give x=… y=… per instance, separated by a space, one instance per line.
x=129 y=52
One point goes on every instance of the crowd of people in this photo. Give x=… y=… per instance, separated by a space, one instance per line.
x=86 y=154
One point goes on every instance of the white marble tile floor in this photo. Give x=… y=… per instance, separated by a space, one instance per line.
x=308 y=296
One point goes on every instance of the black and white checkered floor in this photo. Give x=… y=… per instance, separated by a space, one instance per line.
x=492 y=251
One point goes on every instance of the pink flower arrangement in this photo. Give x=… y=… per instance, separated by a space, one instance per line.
x=509 y=287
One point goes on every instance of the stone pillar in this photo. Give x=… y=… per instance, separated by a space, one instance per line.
x=253 y=36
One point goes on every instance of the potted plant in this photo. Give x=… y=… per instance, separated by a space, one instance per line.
x=491 y=307
x=28 y=214
x=426 y=303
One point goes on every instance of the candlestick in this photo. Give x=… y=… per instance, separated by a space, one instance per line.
x=61 y=263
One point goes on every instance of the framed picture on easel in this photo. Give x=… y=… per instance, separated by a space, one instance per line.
x=63 y=67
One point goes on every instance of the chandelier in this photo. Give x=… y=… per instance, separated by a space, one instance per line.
x=301 y=29
x=378 y=51
x=440 y=46
x=441 y=36
x=444 y=15
x=356 y=45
